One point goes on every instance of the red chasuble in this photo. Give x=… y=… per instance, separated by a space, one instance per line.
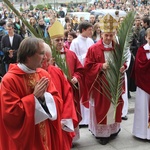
x=17 y=125
x=142 y=70
x=69 y=112
x=93 y=72
x=75 y=70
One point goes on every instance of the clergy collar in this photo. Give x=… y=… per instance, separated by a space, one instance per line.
x=24 y=68
x=146 y=46
x=107 y=46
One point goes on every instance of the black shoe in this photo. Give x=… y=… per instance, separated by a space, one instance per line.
x=104 y=141
x=125 y=118
x=115 y=134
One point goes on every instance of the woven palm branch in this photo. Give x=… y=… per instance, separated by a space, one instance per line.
x=116 y=60
x=56 y=55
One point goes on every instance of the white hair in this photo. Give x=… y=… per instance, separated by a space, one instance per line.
x=47 y=48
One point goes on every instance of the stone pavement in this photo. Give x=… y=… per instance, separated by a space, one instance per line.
x=124 y=141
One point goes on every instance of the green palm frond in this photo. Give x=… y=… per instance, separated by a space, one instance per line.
x=117 y=59
x=61 y=62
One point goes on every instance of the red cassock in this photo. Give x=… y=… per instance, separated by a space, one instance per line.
x=93 y=72
x=17 y=125
x=142 y=70
x=75 y=70
x=69 y=112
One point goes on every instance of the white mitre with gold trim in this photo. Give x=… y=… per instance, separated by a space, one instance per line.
x=108 y=24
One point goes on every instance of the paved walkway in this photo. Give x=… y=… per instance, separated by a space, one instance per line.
x=124 y=141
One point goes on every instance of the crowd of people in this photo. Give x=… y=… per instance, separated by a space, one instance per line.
x=42 y=107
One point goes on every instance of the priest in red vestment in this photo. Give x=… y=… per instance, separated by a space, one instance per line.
x=102 y=124
x=31 y=107
x=75 y=68
x=69 y=117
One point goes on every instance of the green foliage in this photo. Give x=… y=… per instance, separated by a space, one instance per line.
x=40 y=7
x=31 y=7
x=21 y=9
x=60 y=62
x=44 y=6
x=49 y=6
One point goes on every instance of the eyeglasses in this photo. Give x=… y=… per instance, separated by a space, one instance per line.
x=57 y=40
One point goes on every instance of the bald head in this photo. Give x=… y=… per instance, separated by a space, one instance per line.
x=47 y=48
x=48 y=56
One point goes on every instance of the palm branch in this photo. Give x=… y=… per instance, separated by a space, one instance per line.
x=61 y=63
x=55 y=54
x=116 y=60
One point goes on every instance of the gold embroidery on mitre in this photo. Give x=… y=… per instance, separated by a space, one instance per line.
x=108 y=24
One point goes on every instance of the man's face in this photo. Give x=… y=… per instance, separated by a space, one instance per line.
x=41 y=22
x=88 y=32
x=10 y=30
x=47 y=60
x=59 y=42
x=92 y=18
x=107 y=37
x=37 y=59
x=138 y=22
x=143 y=24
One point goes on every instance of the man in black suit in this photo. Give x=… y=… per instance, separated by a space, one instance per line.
x=9 y=45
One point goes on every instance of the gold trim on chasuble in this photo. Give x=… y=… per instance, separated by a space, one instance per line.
x=30 y=82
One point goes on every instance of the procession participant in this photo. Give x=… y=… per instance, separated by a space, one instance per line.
x=31 y=107
x=69 y=117
x=80 y=47
x=75 y=69
x=141 y=124
x=103 y=125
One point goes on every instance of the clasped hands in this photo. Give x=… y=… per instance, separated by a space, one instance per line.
x=40 y=88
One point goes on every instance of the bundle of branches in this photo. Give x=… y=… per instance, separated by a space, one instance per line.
x=113 y=89
x=56 y=55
